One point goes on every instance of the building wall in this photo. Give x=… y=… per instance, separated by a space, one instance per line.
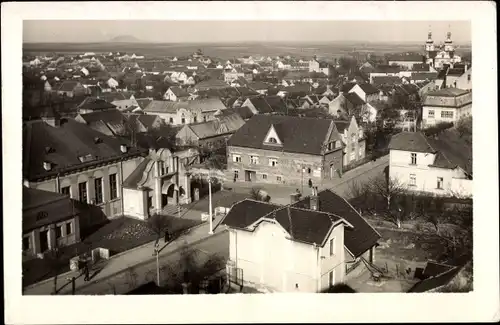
x=189 y=117
x=333 y=263
x=289 y=166
x=426 y=177
x=405 y=64
x=271 y=261
x=111 y=208
x=465 y=80
x=427 y=118
x=136 y=203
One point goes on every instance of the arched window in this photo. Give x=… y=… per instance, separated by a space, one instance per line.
x=272 y=140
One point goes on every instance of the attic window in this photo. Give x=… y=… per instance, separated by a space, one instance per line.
x=49 y=150
x=41 y=215
x=86 y=158
x=97 y=140
x=272 y=140
x=47 y=165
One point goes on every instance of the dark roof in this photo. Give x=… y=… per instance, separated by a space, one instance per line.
x=407 y=57
x=347 y=86
x=354 y=99
x=244 y=111
x=387 y=69
x=358 y=239
x=258 y=85
x=424 y=76
x=55 y=206
x=342 y=125
x=303 y=225
x=276 y=103
x=368 y=89
x=436 y=281
x=448 y=92
x=93 y=103
x=421 y=67
x=299 y=135
x=179 y=92
x=261 y=105
x=133 y=179
x=410 y=141
x=451 y=150
x=68 y=142
x=68 y=85
x=110 y=116
x=387 y=80
x=433 y=269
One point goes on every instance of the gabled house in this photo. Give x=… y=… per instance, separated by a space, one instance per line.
x=259 y=87
x=94 y=104
x=308 y=246
x=176 y=94
x=441 y=165
x=366 y=92
x=353 y=139
x=192 y=111
x=70 y=88
x=284 y=150
x=350 y=104
x=145 y=123
x=110 y=122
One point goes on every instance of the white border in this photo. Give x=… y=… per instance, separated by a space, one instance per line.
x=481 y=305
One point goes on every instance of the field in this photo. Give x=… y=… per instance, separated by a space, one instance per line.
x=223 y=50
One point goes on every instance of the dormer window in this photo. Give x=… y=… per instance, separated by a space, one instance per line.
x=97 y=140
x=47 y=165
x=272 y=140
x=86 y=158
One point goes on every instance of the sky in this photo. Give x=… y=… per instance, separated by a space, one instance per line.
x=41 y=31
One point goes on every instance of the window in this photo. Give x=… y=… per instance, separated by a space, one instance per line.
x=254 y=160
x=59 y=230
x=264 y=176
x=98 y=190
x=413 y=158
x=171 y=120
x=161 y=167
x=236 y=174
x=430 y=114
x=68 y=229
x=332 y=246
x=273 y=162
x=468 y=77
x=330 y=279
x=204 y=118
x=278 y=178
x=195 y=119
x=113 y=190
x=26 y=243
x=309 y=170
x=413 y=180
x=337 y=144
x=272 y=140
x=82 y=191
x=330 y=146
x=446 y=114
x=183 y=120
x=440 y=183
x=65 y=190
x=237 y=158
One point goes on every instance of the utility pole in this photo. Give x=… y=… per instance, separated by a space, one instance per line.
x=210 y=231
x=157 y=265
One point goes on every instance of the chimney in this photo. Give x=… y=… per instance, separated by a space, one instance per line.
x=47 y=165
x=314 y=199
x=123 y=148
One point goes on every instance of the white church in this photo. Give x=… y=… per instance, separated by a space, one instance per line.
x=437 y=56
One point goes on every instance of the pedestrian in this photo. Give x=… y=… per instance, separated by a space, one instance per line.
x=167 y=236
x=234 y=179
x=87 y=277
x=310 y=183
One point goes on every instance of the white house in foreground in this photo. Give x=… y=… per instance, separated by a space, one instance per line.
x=303 y=247
x=439 y=165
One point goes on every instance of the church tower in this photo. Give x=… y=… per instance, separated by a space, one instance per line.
x=429 y=45
x=448 y=45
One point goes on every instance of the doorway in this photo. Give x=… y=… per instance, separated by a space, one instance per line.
x=164 y=200
x=332 y=171
x=250 y=175
x=44 y=240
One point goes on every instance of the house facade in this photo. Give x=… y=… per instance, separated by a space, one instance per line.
x=353 y=139
x=68 y=157
x=49 y=220
x=161 y=179
x=285 y=150
x=446 y=105
x=441 y=166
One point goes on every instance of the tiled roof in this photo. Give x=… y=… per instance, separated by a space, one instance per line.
x=57 y=207
x=108 y=116
x=68 y=142
x=410 y=141
x=436 y=281
x=68 y=85
x=385 y=80
x=358 y=239
x=368 y=88
x=347 y=86
x=424 y=75
x=258 y=85
x=261 y=105
x=206 y=105
x=448 y=92
x=299 y=135
x=179 y=92
x=133 y=179
x=244 y=111
x=407 y=57
x=433 y=268
x=387 y=69
x=303 y=225
x=354 y=99
x=230 y=123
x=276 y=103
x=341 y=125
x=94 y=103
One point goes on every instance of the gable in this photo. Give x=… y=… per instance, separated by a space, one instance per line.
x=272 y=137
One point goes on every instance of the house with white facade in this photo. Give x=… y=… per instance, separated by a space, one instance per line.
x=307 y=246
x=186 y=112
x=441 y=165
x=354 y=140
x=446 y=105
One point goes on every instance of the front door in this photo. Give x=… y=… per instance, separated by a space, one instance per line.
x=44 y=240
x=332 y=171
x=248 y=176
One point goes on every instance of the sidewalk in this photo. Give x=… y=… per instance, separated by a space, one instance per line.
x=120 y=262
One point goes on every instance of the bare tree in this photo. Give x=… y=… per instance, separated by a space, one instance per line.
x=159 y=224
x=388 y=188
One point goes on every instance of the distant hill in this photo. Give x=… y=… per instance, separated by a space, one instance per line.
x=125 y=39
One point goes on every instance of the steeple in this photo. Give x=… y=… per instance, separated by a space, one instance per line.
x=429 y=45
x=448 y=44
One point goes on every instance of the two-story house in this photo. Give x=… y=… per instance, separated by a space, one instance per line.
x=70 y=88
x=308 y=246
x=365 y=91
x=68 y=157
x=285 y=150
x=192 y=111
x=353 y=139
x=441 y=165
x=446 y=105
x=176 y=94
